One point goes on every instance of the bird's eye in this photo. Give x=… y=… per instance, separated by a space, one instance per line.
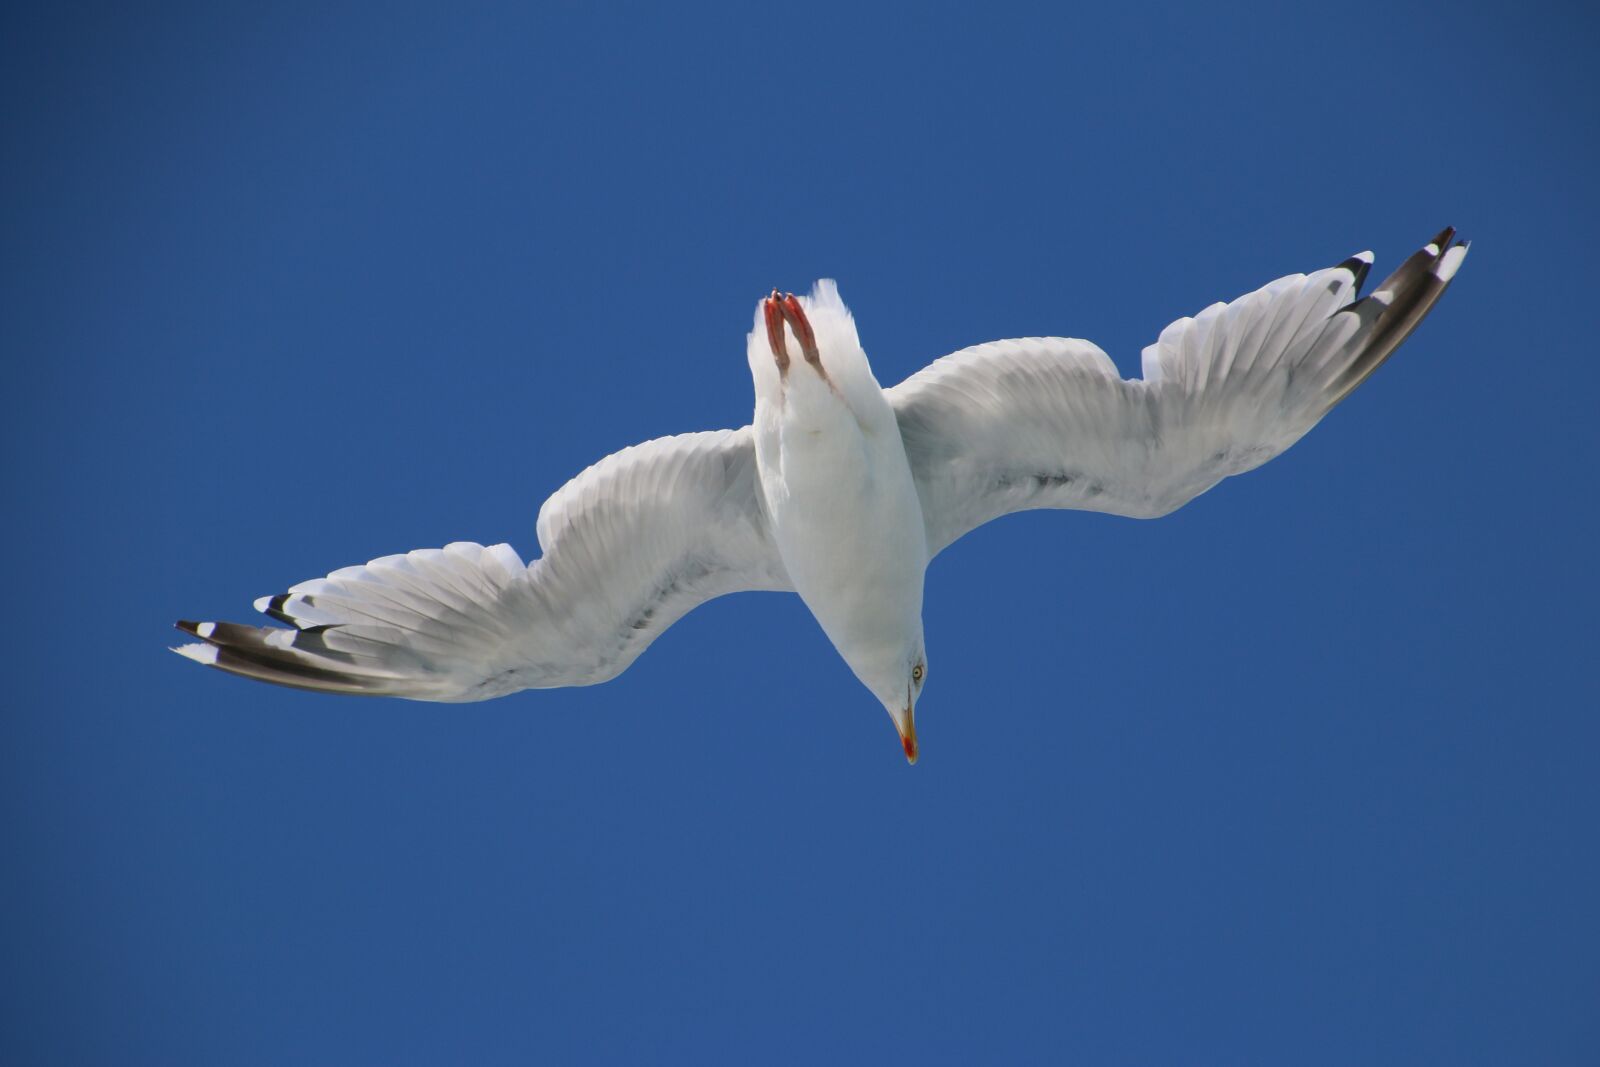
x=916 y=674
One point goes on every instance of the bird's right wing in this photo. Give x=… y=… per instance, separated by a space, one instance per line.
x=1047 y=422
x=630 y=546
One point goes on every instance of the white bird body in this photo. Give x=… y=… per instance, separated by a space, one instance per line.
x=836 y=483
x=841 y=491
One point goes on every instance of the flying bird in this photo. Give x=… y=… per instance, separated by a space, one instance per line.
x=841 y=491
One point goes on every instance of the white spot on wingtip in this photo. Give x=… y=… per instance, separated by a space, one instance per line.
x=206 y=654
x=1366 y=257
x=205 y=629
x=1447 y=266
x=261 y=603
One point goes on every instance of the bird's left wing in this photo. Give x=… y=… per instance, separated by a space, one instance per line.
x=1047 y=422
x=630 y=546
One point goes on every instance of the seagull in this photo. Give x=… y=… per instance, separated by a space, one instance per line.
x=841 y=491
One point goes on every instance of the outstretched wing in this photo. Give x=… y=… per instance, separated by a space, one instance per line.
x=1046 y=422
x=630 y=546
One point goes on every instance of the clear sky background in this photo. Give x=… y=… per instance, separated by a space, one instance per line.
x=1305 y=773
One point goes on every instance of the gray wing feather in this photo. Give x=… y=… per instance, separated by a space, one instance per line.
x=630 y=546
x=1047 y=422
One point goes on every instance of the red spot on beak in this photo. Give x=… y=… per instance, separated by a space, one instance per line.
x=908 y=734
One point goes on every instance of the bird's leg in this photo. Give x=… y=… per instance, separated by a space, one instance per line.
x=772 y=310
x=796 y=317
x=778 y=310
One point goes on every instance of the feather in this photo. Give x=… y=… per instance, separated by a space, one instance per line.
x=630 y=545
x=1046 y=422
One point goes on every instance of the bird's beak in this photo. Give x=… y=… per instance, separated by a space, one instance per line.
x=908 y=735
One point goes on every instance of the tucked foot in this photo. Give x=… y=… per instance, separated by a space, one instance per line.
x=772 y=311
x=786 y=308
x=795 y=316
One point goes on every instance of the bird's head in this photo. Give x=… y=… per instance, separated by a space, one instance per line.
x=896 y=675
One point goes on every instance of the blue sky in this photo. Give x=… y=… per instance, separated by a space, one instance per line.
x=1304 y=773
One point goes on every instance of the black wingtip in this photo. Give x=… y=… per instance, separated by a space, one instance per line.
x=1358 y=266
x=188 y=627
x=1412 y=291
x=275 y=609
